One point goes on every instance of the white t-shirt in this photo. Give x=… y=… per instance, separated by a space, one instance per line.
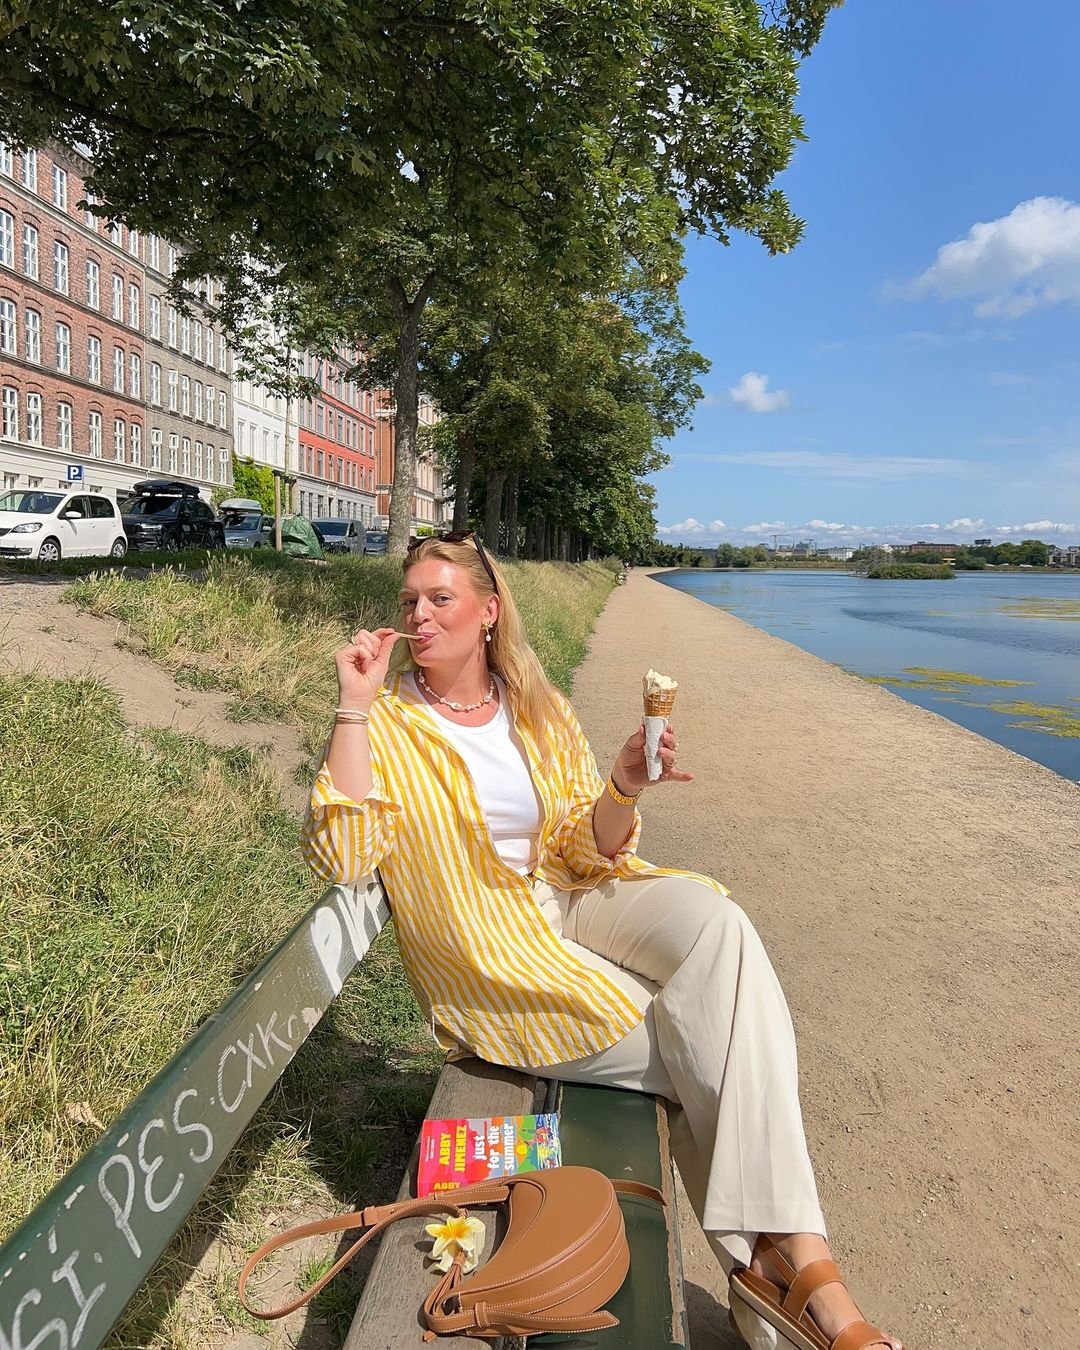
x=496 y=759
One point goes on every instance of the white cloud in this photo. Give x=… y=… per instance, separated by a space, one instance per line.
x=752 y=394
x=891 y=468
x=1023 y=261
x=1035 y=529
x=691 y=528
x=961 y=530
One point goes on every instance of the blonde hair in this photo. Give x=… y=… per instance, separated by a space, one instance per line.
x=532 y=696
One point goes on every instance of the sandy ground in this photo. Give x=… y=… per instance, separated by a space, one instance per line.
x=918 y=888
x=39 y=632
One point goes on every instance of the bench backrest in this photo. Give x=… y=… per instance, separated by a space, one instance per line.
x=68 y=1272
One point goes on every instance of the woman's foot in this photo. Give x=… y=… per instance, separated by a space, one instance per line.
x=831 y=1306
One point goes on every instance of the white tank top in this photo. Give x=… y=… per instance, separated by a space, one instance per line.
x=497 y=762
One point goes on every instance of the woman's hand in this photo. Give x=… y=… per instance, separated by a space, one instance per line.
x=362 y=665
x=631 y=773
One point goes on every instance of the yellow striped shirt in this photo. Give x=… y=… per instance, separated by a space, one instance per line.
x=475 y=946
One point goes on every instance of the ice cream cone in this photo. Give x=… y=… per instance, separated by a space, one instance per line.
x=660 y=704
x=658 y=693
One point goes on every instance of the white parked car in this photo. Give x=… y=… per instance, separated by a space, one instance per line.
x=47 y=526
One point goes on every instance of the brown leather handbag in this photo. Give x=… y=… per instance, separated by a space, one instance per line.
x=563 y=1256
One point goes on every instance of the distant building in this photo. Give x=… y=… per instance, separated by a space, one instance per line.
x=942 y=550
x=337 y=432
x=836 y=553
x=984 y=543
x=431 y=505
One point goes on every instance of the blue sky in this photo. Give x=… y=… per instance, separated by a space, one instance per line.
x=912 y=369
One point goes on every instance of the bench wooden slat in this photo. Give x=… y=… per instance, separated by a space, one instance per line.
x=624 y=1135
x=388 y=1317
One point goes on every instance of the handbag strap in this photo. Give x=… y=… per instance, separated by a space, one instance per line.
x=377 y=1217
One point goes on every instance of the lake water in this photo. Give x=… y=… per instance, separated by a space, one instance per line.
x=1007 y=626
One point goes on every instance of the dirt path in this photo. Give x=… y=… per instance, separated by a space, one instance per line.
x=39 y=632
x=917 y=887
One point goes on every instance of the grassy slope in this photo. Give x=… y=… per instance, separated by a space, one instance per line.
x=134 y=859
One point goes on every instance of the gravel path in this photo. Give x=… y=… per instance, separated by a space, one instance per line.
x=917 y=887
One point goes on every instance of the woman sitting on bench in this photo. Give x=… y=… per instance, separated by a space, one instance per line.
x=537 y=939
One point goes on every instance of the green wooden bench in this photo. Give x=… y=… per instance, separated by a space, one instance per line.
x=70 y=1269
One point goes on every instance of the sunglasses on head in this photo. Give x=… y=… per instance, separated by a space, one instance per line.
x=459 y=537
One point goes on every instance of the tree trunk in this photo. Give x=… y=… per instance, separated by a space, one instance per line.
x=407 y=400
x=493 y=508
x=512 y=515
x=466 y=448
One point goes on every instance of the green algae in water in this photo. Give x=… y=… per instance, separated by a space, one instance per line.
x=1050 y=719
x=942 y=681
x=1044 y=607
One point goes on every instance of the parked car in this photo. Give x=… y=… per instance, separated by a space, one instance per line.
x=377 y=541
x=48 y=526
x=170 y=515
x=340 y=535
x=246 y=524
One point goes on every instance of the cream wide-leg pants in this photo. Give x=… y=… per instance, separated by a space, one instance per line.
x=716 y=1040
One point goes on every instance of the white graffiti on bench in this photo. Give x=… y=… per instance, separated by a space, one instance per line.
x=188 y=1135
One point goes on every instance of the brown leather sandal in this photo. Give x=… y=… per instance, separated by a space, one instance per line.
x=785 y=1307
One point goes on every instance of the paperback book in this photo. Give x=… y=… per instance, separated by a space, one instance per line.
x=463 y=1152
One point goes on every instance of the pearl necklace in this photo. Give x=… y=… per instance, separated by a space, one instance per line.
x=456 y=707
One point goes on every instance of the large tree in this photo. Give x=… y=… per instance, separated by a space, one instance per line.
x=290 y=139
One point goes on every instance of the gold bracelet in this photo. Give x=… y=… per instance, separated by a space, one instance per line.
x=621 y=797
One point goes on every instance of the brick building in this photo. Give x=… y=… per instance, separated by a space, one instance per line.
x=336 y=433
x=85 y=360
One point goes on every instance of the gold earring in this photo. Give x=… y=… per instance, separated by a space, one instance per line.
x=487 y=632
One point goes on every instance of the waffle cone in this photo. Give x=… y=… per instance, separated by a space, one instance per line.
x=660 y=705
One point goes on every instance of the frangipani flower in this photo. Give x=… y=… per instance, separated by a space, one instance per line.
x=464 y=1234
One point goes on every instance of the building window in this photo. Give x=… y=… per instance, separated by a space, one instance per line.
x=198 y=401
x=185 y=457
x=29 y=169
x=60 y=267
x=117 y=297
x=172 y=260
x=63 y=348
x=89 y=217
x=185 y=395
x=211 y=463
x=10 y=413
x=174 y=385
x=211 y=409
x=133 y=243
x=185 y=335
x=33 y=335
x=223 y=462
x=133 y=306
x=93 y=360
x=7 y=159
x=119 y=452
x=7 y=239
x=223 y=356
x=115 y=232
x=93 y=284
x=198 y=459
x=63 y=426
x=320 y=419
x=222 y=409
x=33 y=418
x=174 y=442
x=173 y=319
x=59 y=187
x=136 y=375
x=155 y=317
x=95 y=435
x=155 y=446
x=198 y=340
x=155 y=383
x=118 y=369
x=8 y=337
x=30 y=251
x=209 y=345
x=136 y=443
x=319 y=463
x=153 y=259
